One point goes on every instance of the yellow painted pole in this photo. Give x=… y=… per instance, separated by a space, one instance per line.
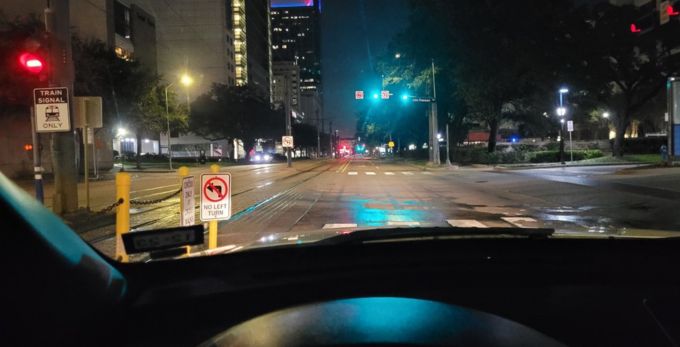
x=183 y=171
x=212 y=225
x=122 y=214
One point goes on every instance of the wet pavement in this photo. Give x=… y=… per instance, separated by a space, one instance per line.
x=274 y=202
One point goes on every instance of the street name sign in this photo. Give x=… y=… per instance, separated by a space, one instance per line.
x=215 y=197
x=422 y=99
x=51 y=110
x=287 y=142
x=188 y=211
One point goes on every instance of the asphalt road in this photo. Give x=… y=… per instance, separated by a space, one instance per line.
x=272 y=201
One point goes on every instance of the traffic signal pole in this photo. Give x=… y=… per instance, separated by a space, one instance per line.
x=57 y=25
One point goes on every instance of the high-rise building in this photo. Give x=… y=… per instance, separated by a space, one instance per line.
x=286 y=86
x=296 y=36
x=258 y=46
x=199 y=38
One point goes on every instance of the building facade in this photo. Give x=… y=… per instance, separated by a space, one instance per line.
x=296 y=37
x=258 y=46
x=286 y=86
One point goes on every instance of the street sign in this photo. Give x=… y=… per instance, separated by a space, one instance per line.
x=570 y=125
x=385 y=94
x=287 y=142
x=87 y=112
x=359 y=95
x=390 y=144
x=423 y=100
x=188 y=212
x=215 y=197
x=664 y=15
x=51 y=110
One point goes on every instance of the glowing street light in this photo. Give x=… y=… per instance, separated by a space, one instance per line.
x=605 y=115
x=561 y=111
x=397 y=55
x=186 y=80
x=564 y=90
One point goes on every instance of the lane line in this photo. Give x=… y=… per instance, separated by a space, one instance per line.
x=465 y=223
x=352 y=173
x=408 y=173
x=370 y=173
x=389 y=173
x=339 y=225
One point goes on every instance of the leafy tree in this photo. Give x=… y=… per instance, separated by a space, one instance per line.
x=227 y=112
x=616 y=69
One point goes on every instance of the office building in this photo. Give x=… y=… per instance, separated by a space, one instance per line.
x=258 y=47
x=286 y=86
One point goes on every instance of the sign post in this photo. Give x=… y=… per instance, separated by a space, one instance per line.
x=570 y=129
x=187 y=209
x=215 y=201
x=88 y=115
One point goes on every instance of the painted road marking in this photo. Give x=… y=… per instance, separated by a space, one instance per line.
x=389 y=173
x=427 y=173
x=465 y=223
x=352 y=173
x=370 y=173
x=339 y=225
x=407 y=173
x=521 y=222
x=403 y=224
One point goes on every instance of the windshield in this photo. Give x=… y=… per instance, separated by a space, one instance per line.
x=281 y=122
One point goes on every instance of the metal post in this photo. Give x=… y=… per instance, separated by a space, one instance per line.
x=318 y=135
x=94 y=155
x=330 y=137
x=167 y=118
x=436 y=160
x=37 y=166
x=122 y=213
x=448 y=149
x=562 y=143
x=86 y=169
x=212 y=225
x=571 y=148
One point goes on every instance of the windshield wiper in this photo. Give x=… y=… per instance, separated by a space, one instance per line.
x=361 y=236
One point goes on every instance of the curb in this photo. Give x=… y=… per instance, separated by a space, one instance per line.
x=525 y=167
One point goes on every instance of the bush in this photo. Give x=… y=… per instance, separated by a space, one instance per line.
x=642 y=145
x=554 y=156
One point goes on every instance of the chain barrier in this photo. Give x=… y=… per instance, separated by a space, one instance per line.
x=110 y=208
x=155 y=201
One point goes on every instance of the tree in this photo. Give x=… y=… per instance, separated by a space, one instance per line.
x=227 y=112
x=619 y=70
x=16 y=87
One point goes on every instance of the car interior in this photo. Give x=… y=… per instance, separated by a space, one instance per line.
x=461 y=291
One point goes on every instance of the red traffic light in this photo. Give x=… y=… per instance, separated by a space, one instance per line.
x=671 y=11
x=31 y=63
x=634 y=28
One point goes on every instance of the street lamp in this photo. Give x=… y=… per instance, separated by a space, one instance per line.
x=562 y=111
x=605 y=115
x=397 y=55
x=186 y=81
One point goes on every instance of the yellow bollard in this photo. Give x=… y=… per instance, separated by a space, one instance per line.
x=212 y=225
x=183 y=171
x=122 y=214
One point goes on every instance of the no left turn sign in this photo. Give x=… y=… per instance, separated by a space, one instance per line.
x=215 y=197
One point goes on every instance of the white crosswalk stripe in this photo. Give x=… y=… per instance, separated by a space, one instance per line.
x=389 y=173
x=465 y=223
x=408 y=173
x=352 y=173
x=370 y=173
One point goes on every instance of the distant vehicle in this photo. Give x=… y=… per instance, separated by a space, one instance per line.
x=260 y=157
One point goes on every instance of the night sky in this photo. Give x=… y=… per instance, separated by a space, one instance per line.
x=353 y=33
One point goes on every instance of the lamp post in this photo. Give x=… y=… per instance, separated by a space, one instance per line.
x=561 y=112
x=186 y=81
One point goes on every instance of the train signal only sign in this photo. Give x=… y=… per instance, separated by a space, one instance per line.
x=215 y=197
x=51 y=110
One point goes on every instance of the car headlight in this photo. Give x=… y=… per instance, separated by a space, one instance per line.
x=258 y=158
x=267 y=157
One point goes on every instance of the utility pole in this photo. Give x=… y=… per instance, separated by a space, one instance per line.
x=330 y=137
x=434 y=142
x=289 y=128
x=57 y=25
x=448 y=148
x=318 y=135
